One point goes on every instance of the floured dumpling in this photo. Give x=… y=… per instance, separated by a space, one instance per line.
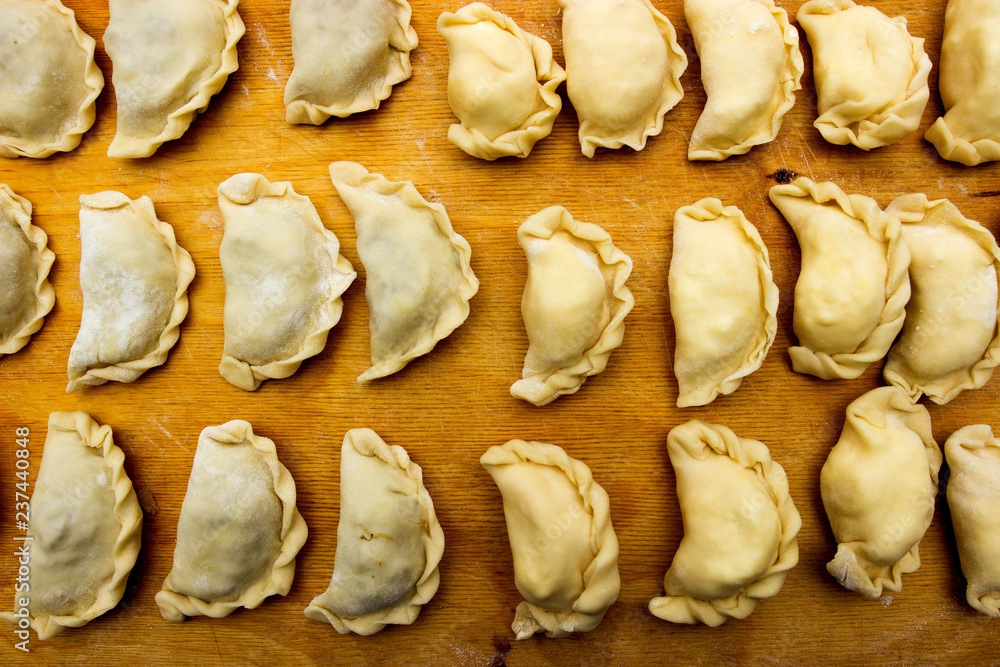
x=569 y=576
x=973 y=455
x=85 y=528
x=723 y=300
x=878 y=487
x=739 y=527
x=134 y=279
x=623 y=68
x=950 y=340
x=574 y=303
x=26 y=295
x=418 y=279
x=239 y=529
x=389 y=541
x=502 y=83
x=871 y=75
x=168 y=59
x=969 y=132
x=348 y=55
x=284 y=278
x=750 y=67
x=48 y=77
x=853 y=286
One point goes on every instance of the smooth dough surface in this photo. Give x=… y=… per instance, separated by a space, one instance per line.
x=134 y=279
x=168 y=60
x=26 y=295
x=623 y=68
x=740 y=527
x=348 y=55
x=878 y=487
x=870 y=74
x=568 y=577
x=574 y=303
x=85 y=528
x=973 y=455
x=418 y=279
x=723 y=300
x=48 y=77
x=750 y=67
x=950 y=339
x=852 y=290
x=389 y=541
x=284 y=279
x=239 y=530
x=502 y=83
x=969 y=131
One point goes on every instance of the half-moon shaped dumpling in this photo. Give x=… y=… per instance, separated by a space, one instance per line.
x=878 y=487
x=574 y=303
x=48 y=77
x=973 y=455
x=284 y=278
x=750 y=67
x=418 y=277
x=85 y=528
x=168 y=59
x=740 y=526
x=723 y=300
x=502 y=83
x=950 y=340
x=25 y=259
x=852 y=290
x=348 y=55
x=389 y=541
x=239 y=530
x=623 y=68
x=568 y=576
x=871 y=75
x=969 y=132
x=134 y=279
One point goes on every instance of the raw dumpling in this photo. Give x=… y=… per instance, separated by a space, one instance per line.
x=969 y=132
x=574 y=303
x=851 y=294
x=168 y=59
x=723 y=301
x=973 y=455
x=389 y=541
x=878 y=487
x=348 y=55
x=239 y=529
x=568 y=577
x=134 y=279
x=750 y=67
x=739 y=527
x=284 y=278
x=48 y=77
x=418 y=277
x=86 y=526
x=623 y=67
x=502 y=83
x=26 y=295
x=871 y=75
x=949 y=340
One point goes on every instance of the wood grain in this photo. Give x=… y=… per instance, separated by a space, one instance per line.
x=447 y=408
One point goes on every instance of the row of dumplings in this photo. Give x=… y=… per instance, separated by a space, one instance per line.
x=623 y=68
x=239 y=531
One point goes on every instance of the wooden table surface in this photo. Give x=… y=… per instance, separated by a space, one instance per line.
x=447 y=408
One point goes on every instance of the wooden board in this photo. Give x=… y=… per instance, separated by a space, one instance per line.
x=447 y=408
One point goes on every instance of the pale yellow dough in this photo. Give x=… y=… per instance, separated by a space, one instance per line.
x=574 y=303
x=878 y=487
x=564 y=547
